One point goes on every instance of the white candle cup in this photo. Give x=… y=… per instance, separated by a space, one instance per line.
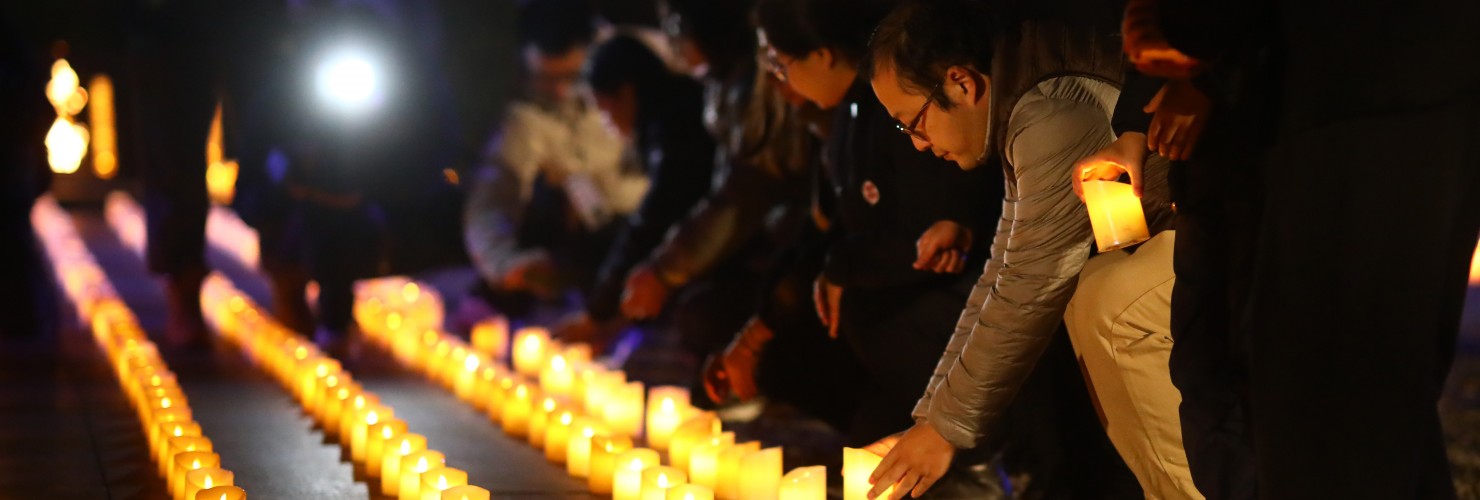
x=1115 y=214
x=804 y=483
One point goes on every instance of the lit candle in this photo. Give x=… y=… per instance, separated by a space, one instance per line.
x=483 y=386
x=698 y=427
x=351 y=414
x=435 y=481
x=557 y=435
x=729 y=469
x=360 y=433
x=205 y=478
x=467 y=378
x=627 y=476
x=657 y=480
x=578 y=452
x=390 y=468
x=604 y=453
x=690 y=492
x=517 y=409
x=381 y=435
x=177 y=445
x=333 y=410
x=599 y=386
x=1115 y=214
x=500 y=393
x=539 y=420
x=491 y=337
x=324 y=393
x=530 y=344
x=557 y=378
x=666 y=408
x=760 y=474
x=465 y=492
x=412 y=466
x=858 y=465
x=227 y=492
x=622 y=409
x=186 y=462
x=704 y=459
x=804 y=483
x=159 y=440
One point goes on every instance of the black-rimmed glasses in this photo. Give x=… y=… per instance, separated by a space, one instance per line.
x=910 y=129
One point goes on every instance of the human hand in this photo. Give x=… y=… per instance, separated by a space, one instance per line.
x=942 y=248
x=1126 y=155
x=534 y=273
x=1148 y=49
x=644 y=295
x=580 y=327
x=1181 y=114
x=916 y=461
x=827 y=297
x=733 y=371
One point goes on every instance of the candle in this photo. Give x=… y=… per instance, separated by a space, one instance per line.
x=159 y=440
x=578 y=452
x=323 y=393
x=517 y=409
x=666 y=408
x=412 y=466
x=360 y=433
x=604 y=452
x=390 y=468
x=657 y=480
x=690 y=492
x=697 y=428
x=1115 y=214
x=704 y=459
x=729 y=469
x=333 y=408
x=760 y=474
x=858 y=465
x=491 y=337
x=351 y=414
x=382 y=435
x=465 y=492
x=227 y=492
x=557 y=435
x=468 y=377
x=186 y=462
x=483 y=386
x=177 y=445
x=435 y=481
x=529 y=350
x=627 y=476
x=804 y=483
x=498 y=395
x=622 y=409
x=540 y=419
x=557 y=378
x=205 y=478
x=599 y=386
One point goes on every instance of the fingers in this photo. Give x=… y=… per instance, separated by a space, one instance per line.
x=925 y=483
x=834 y=297
x=925 y=251
x=1155 y=102
x=888 y=472
x=819 y=300
x=905 y=486
x=948 y=262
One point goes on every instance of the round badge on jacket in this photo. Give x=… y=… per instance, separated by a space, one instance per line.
x=870 y=193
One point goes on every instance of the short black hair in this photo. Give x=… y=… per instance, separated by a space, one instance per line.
x=796 y=27
x=721 y=29
x=922 y=38
x=625 y=60
x=555 y=27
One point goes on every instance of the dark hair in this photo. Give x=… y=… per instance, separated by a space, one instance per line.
x=555 y=27
x=625 y=60
x=796 y=27
x=720 y=28
x=922 y=38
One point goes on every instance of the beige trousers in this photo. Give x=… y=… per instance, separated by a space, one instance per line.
x=1120 y=324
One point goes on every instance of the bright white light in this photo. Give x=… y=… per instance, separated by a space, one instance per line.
x=349 y=81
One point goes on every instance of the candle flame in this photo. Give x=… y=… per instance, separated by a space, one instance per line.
x=667 y=405
x=471 y=363
x=195 y=464
x=442 y=482
x=557 y=362
x=386 y=432
x=635 y=465
x=521 y=392
x=208 y=481
x=155 y=380
x=410 y=292
x=548 y=404
x=406 y=447
x=179 y=431
x=688 y=495
x=300 y=353
x=372 y=418
x=421 y=464
x=565 y=418
x=223 y=496
x=663 y=480
x=164 y=402
x=393 y=321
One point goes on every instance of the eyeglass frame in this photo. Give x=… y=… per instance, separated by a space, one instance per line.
x=774 y=64
x=910 y=130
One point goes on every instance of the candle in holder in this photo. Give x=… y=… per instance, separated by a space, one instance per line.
x=557 y=378
x=540 y=419
x=333 y=407
x=627 y=476
x=697 y=428
x=483 y=386
x=502 y=390
x=360 y=433
x=530 y=345
x=598 y=386
x=804 y=483
x=186 y=462
x=351 y=414
x=704 y=459
x=729 y=469
x=159 y=439
x=1115 y=214
x=858 y=465
x=205 y=478
x=622 y=409
x=517 y=409
x=390 y=467
x=177 y=445
x=657 y=480
x=690 y=492
x=412 y=466
x=467 y=378
x=465 y=492
x=760 y=474
x=666 y=407
x=381 y=435
x=435 y=481
x=165 y=415
x=578 y=452
x=557 y=435
x=605 y=449
x=228 y=492
x=322 y=393
x=491 y=337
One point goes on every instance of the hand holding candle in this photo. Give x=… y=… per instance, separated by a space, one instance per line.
x=1115 y=214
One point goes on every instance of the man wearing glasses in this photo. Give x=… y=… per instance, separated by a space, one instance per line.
x=1033 y=95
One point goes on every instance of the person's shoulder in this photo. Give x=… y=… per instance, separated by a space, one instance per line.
x=1059 y=115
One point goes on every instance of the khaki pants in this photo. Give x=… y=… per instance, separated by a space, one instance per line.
x=1120 y=324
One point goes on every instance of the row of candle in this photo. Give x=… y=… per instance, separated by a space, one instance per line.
x=379 y=444
x=586 y=416
x=183 y=456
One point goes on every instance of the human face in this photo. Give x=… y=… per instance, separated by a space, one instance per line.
x=619 y=110
x=553 y=77
x=957 y=134
x=817 y=76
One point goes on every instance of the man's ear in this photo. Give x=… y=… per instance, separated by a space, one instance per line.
x=966 y=84
x=829 y=57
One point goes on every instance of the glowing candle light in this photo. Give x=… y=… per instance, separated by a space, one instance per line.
x=381 y=435
x=205 y=478
x=360 y=433
x=704 y=459
x=465 y=492
x=468 y=377
x=491 y=337
x=666 y=408
x=1115 y=214
x=557 y=378
x=412 y=467
x=530 y=345
x=729 y=469
x=804 y=483
x=502 y=390
x=353 y=413
x=627 y=476
x=622 y=409
x=390 y=468
x=186 y=462
x=697 y=428
x=578 y=452
x=557 y=435
x=167 y=430
x=549 y=408
x=517 y=409
x=177 y=445
x=604 y=453
x=690 y=492
x=222 y=493
x=483 y=386
x=657 y=480
x=858 y=465
x=760 y=474
x=600 y=386
x=435 y=481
